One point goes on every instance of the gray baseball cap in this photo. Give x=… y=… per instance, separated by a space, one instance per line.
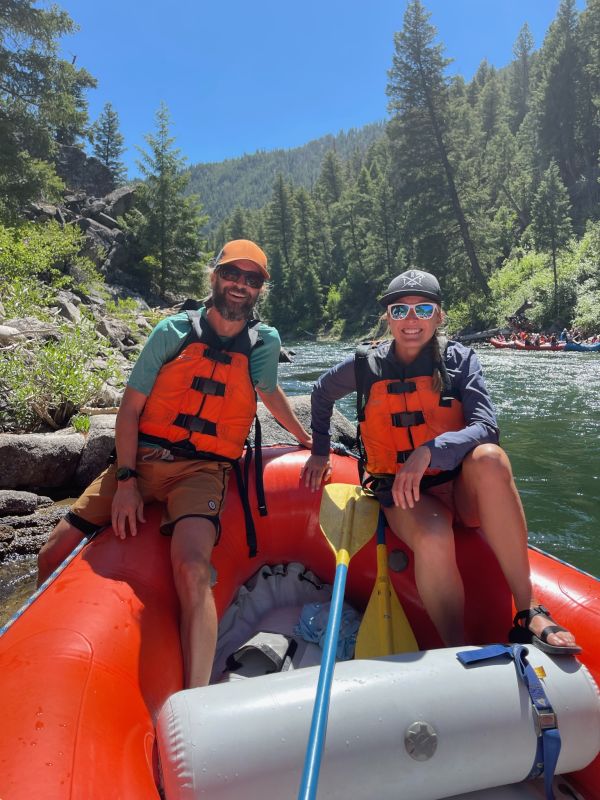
x=413 y=281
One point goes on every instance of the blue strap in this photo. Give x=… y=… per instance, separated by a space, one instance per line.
x=548 y=742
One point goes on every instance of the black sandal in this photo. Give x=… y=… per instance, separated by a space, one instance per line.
x=521 y=634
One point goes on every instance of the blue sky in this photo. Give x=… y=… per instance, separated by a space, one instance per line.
x=242 y=76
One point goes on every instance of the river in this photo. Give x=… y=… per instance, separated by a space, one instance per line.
x=548 y=408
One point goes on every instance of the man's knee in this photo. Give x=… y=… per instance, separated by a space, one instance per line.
x=59 y=544
x=193 y=577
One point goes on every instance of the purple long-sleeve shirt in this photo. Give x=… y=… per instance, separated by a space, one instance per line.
x=447 y=450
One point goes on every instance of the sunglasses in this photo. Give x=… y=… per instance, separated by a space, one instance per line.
x=229 y=272
x=422 y=310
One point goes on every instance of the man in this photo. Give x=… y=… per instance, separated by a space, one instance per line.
x=185 y=414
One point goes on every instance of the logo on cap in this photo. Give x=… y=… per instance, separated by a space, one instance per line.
x=412 y=278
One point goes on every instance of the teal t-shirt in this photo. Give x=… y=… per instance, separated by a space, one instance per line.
x=167 y=337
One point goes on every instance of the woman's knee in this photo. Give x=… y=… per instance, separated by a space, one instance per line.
x=487 y=463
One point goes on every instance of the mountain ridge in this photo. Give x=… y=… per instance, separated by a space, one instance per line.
x=247 y=181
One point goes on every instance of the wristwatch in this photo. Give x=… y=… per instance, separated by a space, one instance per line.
x=124 y=473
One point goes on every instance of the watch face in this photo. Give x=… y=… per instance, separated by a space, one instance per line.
x=124 y=473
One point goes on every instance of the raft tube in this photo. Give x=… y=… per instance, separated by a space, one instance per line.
x=86 y=669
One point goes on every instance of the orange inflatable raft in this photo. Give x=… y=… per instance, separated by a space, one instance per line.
x=88 y=665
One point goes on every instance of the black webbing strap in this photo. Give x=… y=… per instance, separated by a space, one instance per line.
x=407 y=419
x=401 y=387
x=209 y=386
x=195 y=424
x=243 y=492
x=217 y=355
x=258 y=470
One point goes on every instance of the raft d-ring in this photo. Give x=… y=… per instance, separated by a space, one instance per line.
x=420 y=741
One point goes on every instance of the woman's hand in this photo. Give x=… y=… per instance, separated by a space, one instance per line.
x=405 y=490
x=316 y=470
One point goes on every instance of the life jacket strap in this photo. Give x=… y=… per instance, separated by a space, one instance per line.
x=208 y=386
x=195 y=424
x=219 y=356
x=407 y=419
x=401 y=387
x=544 y=716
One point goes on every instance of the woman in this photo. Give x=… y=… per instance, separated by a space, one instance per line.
x=430 y=448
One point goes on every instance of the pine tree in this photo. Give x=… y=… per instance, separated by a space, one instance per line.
x=519 y=80
x=550 y=220
x=41 y=100
x=108 y=143
x=419 y=99
x=555 y=97
x=167 y=225
x=279 y=231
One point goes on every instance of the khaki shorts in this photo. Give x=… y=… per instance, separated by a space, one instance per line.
x=188 y=487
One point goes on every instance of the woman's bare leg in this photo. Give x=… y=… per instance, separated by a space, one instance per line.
x=427 y=530
x=485 y=494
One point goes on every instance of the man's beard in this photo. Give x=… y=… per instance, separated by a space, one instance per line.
x=232 y=312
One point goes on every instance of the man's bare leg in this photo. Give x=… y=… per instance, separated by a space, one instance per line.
x=62 y=541
x=191 y=548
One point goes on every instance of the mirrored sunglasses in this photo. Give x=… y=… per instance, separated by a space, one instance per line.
x=421 y=310
x=229 y=272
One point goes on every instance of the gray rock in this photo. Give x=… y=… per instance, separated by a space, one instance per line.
x=69 y=310
x=99 y=444
x=21 y=502
x=342 y=430
x=32 y=460
x=120 y=201
x=107 y=397
x=10 y=334
x=34 y=328
x=29 y=533
x=82 y=172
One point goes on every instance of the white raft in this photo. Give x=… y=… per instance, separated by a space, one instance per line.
x=417 y=726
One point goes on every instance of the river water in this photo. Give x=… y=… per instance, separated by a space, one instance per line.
x=548 y=408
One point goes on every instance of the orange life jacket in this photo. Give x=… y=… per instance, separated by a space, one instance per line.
x=203 y=401
x=398 y=409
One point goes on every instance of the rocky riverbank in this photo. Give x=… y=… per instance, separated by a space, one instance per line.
x=37 y=467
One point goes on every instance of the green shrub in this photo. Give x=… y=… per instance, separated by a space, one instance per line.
x=45 y=382
x=81 y=423
x=36 y=261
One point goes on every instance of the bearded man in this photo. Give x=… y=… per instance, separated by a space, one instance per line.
x=182 y=424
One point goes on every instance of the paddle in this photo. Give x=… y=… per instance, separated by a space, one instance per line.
x=347 y=518
x=384 y=628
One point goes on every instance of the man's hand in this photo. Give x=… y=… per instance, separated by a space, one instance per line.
x=405 y=490
x=127 y=508
x=316 y=470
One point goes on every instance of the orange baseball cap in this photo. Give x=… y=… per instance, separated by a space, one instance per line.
x=243 y=249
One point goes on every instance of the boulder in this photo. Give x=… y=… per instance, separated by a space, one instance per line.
x=80 y=171
x=21 y=502
x=120 y=201
x=342 y=430
x=25 y=535
x=32 y=460
x=9 y=334
x=99 y=444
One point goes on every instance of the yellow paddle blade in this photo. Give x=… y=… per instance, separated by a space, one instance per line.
x=384 y=629
x=348 y=517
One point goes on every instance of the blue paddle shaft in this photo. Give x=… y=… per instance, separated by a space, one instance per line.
x=318 y=725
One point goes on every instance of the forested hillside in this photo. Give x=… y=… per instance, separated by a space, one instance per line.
x=247 y=182
x=493 y=184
